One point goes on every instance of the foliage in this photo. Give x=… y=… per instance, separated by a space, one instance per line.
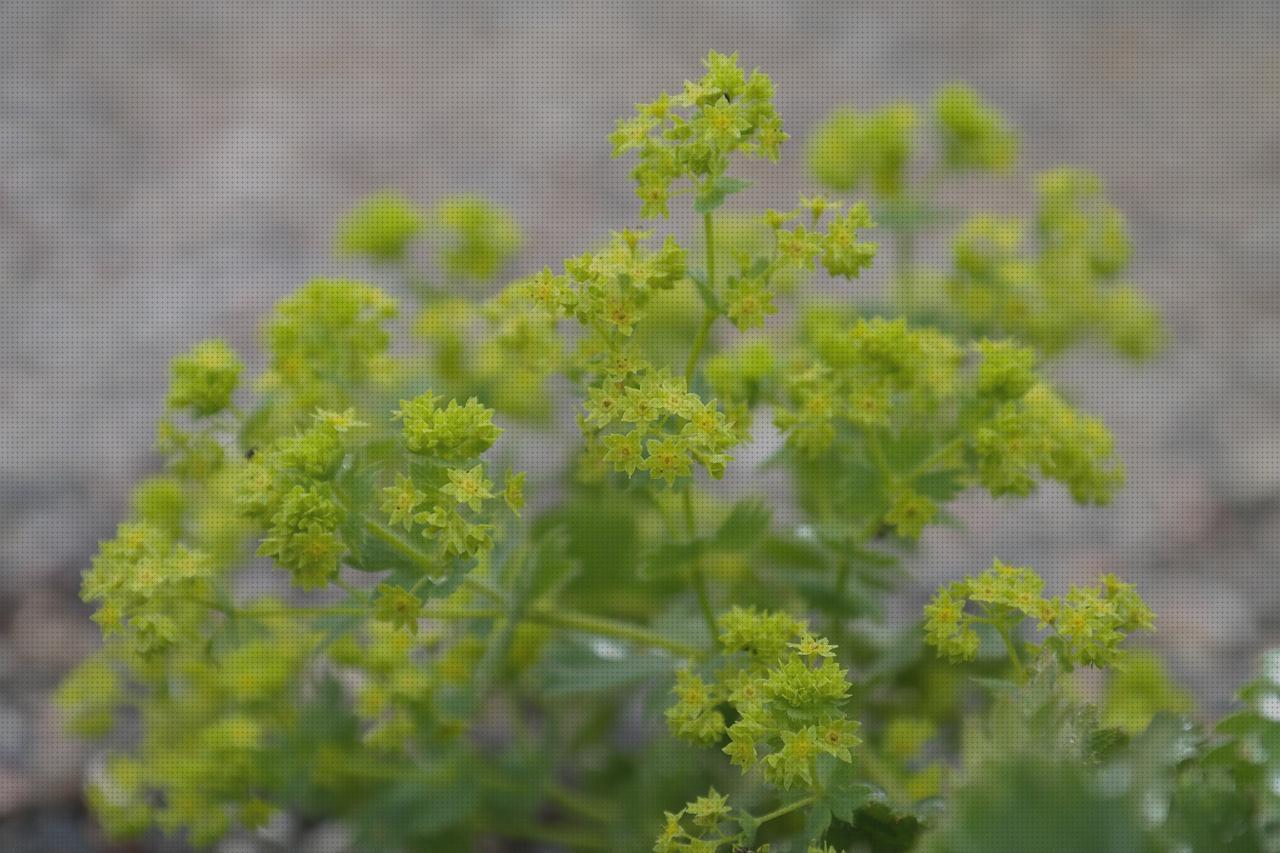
x=631 y=660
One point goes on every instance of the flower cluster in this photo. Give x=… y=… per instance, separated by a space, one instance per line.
x=448 y=498
x=327 y=341
x=478 y=238
x=974 y=135
x=909 y=404
x=850 y=149
x=786 y=691
x=206 y=751
x=205 y=378
x=1068 y=289
x=1087 y=625
x=728 y=111
x=149 y=588
x=381 y=227
x=699 y=827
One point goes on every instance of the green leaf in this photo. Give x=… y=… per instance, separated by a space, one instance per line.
x=746 y=525
x=579 y=666
x=817 y=821
x=716 y=190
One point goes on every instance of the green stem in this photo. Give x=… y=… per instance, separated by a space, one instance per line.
x=420 y=558
x=708 y=318
x=1014 y=657
x=787 y=809
x=569 y=837
x=934 y=458
x=585 y=805
x=588 y=624
x=699 y=343
x=695 y=569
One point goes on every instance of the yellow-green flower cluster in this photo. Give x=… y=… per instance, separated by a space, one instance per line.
x=447 y=499
x=646 y=419
x=909 y=403
x=841 y=252
x=699 y=827
x=381 y=227
x=150 y=589
x=288 y=488
x=327 y=341
x=212 y=716
x=453 y=432
x=205 y=378
x=850 y=149
x=974 y=134
x=725 y=112
x=786 y=690
x=503 y=350
x=1086 y=625
x=1068 y=289
x=480 y=238
x=393 y=697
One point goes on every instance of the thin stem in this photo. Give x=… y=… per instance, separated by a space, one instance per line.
x=708 y=318
x=787 y=809
x=699 y=343
x=420 y=558
x=1018 y=668
x=583 y=804
x=934 y=458
x=695 y=569
x=589 y=624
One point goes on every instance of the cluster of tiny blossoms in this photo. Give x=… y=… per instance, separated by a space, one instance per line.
x=1069 y=288
x=911 y=403
x=640 y=416
x=1087 y=625
x=786 y=691
x=727 y=112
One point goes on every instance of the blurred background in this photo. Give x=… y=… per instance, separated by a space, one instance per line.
x=168 y=170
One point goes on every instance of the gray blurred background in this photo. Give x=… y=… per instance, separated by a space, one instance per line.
x=168 y=170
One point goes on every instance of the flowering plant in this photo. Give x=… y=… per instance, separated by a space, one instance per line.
x=462 y=652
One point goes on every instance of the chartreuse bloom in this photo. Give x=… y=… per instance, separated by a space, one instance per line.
x=693 y=135
x=381 y=227
x=205 y=378
x=921 y=417
x=974 y=135
x=850 y=149
x=1068 y=288
x=478 y=238
x=785 y=693
x=1086 y=626
x=430 y=631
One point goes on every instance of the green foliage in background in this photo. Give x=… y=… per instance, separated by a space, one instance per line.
x=342 y=598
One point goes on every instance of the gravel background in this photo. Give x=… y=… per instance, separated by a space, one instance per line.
x=168 y=170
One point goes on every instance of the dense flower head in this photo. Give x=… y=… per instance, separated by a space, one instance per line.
x=303 y=536
x=149 y=588
x=693 y=134
x=204 y=378
x=1065 y=287
x=451 y=432
x=327 y=340
x=479 y=237
x=1086 y=626
x=381 y=227
x=786 y=690
x=978 y=415
x=851 y=149
x=974 y=134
